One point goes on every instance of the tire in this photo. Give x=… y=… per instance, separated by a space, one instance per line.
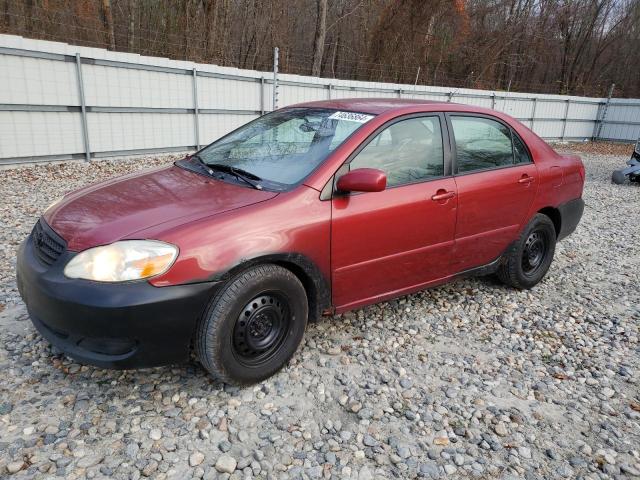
x=618 y=177
x=529 y=258
x=253 y=325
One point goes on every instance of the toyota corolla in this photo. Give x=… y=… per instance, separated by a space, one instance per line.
x=313 y=209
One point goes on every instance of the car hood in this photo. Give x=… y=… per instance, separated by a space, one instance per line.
x=116 y=209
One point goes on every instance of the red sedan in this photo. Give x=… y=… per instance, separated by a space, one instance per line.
x=313 y=209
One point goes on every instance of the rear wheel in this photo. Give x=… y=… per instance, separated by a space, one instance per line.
x=253 y=325
x=529 y=258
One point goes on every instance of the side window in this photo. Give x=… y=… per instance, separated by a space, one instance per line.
x=520 y=151
x=481 y=143
x=407 y=151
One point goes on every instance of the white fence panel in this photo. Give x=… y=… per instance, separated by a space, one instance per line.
x=139 y=131
x=220 y=93
x=23 y=134
x=487 y=102
x=25 y=80
x=587 y=111
x=516 y=108
x=624 y=110
x=137 y=104
x=622 y=119
x=124 y=87
x=215 y=125
x=547 y=128
x=576 y=129
x=290 y=94
x=549 y=110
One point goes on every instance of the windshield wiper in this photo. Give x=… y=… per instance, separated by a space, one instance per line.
x=239 y=173
x=201 y=163
x=247 y=177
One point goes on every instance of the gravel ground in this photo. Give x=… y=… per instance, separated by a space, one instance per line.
x=599 y=148
x=468 y=380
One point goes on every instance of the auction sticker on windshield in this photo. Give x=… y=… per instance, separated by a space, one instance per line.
x=351 y=117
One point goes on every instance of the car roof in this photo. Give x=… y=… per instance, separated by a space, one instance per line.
x=381 y=105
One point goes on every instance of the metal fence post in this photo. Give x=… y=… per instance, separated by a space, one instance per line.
x=329 y=88
x=533 y=111
x=196 y=124
x=450 y=97
x=275 y=78
x=566 y=117
x=262 y=95
x=600 y=120
x=493 y=101
x=83 y=109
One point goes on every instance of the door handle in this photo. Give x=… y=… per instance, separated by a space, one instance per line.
x=526 y=179
x=443 y=195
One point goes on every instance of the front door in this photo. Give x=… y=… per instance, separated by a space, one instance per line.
x=394 y=241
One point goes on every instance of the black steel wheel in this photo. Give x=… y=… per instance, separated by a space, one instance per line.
x=528 y=259
x=534 y=252
x=261 y=328
x=253 y=325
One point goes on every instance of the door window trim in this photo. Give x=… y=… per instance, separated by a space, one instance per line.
x=454 y=147
x=514 y=134
x=446 y=153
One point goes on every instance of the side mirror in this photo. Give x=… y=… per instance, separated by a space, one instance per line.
x=363 y=180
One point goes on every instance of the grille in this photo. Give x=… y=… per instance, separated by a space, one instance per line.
x=47 y=244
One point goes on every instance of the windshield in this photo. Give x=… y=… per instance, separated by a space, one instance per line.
x=281 y=148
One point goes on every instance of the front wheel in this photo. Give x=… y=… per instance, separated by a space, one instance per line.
x=253 y=325
x=529 y=258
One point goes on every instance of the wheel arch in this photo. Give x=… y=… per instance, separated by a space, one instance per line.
x=312 y=279
x=555 y=216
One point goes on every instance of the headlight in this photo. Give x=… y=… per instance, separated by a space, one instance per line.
x=122 y=261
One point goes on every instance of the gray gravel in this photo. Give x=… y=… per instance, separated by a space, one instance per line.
x=468 y=380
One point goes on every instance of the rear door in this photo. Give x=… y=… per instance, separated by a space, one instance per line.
x=496 y=181
x=385 y=243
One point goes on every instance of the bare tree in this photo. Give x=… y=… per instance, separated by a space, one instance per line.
x=566 y=46
x=320 y=36
x=131 y=34
x=108 y=23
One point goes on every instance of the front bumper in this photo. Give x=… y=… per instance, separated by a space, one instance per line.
x=111 y=325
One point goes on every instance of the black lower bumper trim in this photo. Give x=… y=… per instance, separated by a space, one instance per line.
x=82 y=349
x=123 y=325
x=570 y=215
